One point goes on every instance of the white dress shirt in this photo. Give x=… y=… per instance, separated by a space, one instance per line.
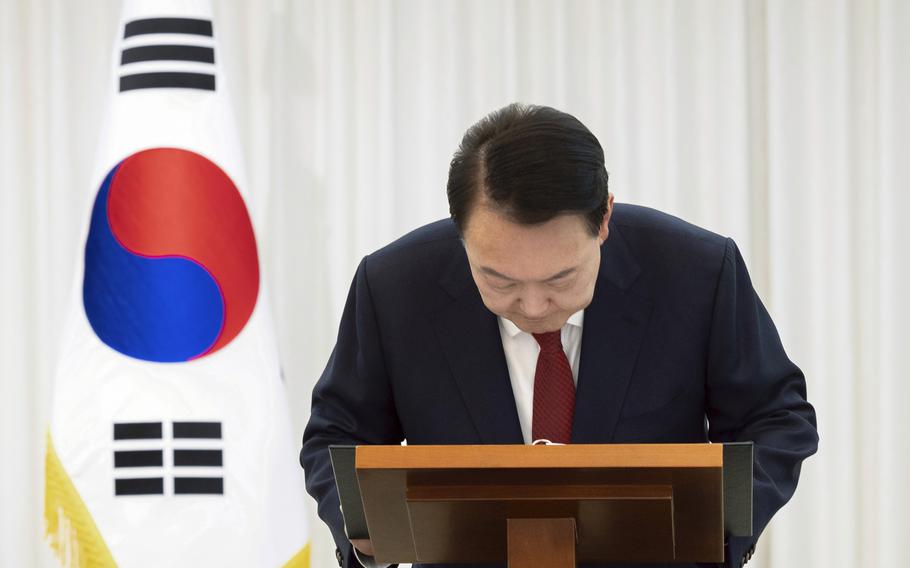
x=521 y=350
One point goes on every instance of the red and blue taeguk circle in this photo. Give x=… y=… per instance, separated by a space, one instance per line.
x=171 y=269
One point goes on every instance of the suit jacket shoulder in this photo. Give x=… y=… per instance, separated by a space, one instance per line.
x=663 y=241
x=418 y=250
x=408 y=277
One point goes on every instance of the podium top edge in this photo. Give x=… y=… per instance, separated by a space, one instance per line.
x=518 y=456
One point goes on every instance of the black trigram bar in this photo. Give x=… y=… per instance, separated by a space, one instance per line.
x=167 y=80
x=138 y=458
x=139 y=486
x=197 y=458
x=168 y=53
x=198 y=485
x=168 y=26
x=137 y=431
x=197 y=430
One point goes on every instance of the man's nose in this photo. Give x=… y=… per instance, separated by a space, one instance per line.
x=534 y=305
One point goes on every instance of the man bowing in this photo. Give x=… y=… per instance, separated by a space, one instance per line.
x=541 y=310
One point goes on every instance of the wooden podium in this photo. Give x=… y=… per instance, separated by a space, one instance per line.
x=546 y=505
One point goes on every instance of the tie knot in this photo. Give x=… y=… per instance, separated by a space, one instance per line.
x=550 y=341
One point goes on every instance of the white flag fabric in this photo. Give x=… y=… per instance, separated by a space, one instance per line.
x=170 y=442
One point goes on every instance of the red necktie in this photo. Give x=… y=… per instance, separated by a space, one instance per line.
x=554 y=391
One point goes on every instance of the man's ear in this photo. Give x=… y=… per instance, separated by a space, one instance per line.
x=605 y=224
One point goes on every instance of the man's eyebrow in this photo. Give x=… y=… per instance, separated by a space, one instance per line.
x=491 y=272
x=557 y=276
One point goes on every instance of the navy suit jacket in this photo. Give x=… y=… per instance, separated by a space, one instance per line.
x=676 y=347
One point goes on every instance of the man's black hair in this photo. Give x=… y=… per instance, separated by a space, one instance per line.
x=531 y=163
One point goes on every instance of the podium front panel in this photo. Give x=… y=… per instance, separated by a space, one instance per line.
x=636 y=503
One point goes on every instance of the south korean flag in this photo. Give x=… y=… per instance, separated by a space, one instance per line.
x=170 y=442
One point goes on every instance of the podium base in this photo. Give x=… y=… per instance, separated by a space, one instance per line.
x=542 y=542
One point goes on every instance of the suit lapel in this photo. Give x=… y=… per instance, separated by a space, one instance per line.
x=469 y=334
x=614 y=327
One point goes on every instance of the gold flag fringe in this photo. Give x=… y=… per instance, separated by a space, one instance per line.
x=69 y=527
x=301 y=559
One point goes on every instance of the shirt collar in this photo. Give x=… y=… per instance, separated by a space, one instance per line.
x=576 y=319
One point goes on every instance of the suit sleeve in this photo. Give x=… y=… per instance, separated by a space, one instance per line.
x=352 y=405
x=755 y=393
